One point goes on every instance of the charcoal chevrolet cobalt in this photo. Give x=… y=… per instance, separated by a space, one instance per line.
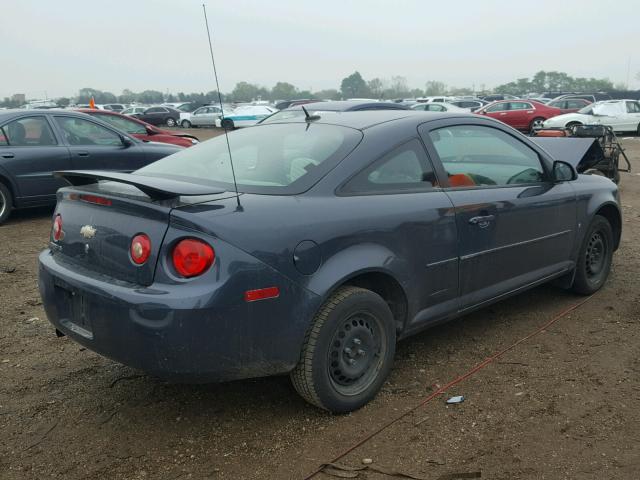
x=350 y=231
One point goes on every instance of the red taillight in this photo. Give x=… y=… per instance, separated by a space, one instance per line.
x=192 y=257
x=261 y=294
x=140 y=249
x=95 y=199
x=56 y=231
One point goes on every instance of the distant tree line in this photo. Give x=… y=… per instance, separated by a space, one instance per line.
x=352 y=86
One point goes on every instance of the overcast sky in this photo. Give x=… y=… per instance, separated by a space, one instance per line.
x=60 y=46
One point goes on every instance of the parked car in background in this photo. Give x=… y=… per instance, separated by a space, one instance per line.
x=126 y=111
x=520 y=114
x=498 y=96
x=201 y=117
x=435 y=99
x=431 y=217
x=244 y=116
x=34 y=144
x=290 y=103
x=621 y=115
x=336 y=106
x=187 y=107
x=114 y=107
x=438 y=107
x=592 y=97
x=569 y=105
x=141 y=130
x=471 y=105
x=159 y=115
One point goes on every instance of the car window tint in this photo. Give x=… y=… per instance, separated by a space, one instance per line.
x=499 y=107
x=483 y=156
x=29 y=132
x=632 y=107
x=520 y=106
x=124 y=124
x=155 y=110
x=436 y=108
x=405 y=168
x=79 y=131
x=3 y=138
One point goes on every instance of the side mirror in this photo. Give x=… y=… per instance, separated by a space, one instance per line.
x=126 y=141
x=564 y=172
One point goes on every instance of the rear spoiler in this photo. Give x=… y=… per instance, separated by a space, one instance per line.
x=157 y=188
x=582 y=153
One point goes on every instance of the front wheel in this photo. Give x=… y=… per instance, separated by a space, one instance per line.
x=348 y=351
x=594 y=259
x=227 y=124
x=171 y=122
x=185 y=124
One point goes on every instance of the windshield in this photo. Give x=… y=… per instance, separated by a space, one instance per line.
x=272 y=159
x=588 y=110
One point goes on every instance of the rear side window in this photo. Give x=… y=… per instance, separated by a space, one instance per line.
x=79 y=131
x=477 y=156
x=28 y=132
x=406 y=168
x=499 y=107
x=124 y=124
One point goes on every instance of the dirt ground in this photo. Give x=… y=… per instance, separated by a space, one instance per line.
x=561 y=405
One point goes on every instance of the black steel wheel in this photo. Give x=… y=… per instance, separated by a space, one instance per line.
x=594 y=260
x=347 y=352
x=6 y=202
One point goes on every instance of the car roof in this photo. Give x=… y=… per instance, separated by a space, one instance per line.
x=343 y=105
x=20 y=112
x=361 y=120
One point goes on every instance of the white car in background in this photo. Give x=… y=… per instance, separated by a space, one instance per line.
x=201 y=117
x=133 y=110
x=621 y=115
x=439 y=107
x=245 y=116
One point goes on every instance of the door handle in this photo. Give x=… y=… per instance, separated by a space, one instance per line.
x=503 y=114
x=8 y=155
x=83 y=154
x=482 y=221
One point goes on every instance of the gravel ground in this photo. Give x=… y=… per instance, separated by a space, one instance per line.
x=561 y=405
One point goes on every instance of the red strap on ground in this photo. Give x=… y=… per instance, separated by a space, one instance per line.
x=446 y=387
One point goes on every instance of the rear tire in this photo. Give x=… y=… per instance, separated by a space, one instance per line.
x=171 y=122
x=6 y=203
x=348 y=351
x=594 y=258
x=185 y=124
x=536 y=123
x=227 y=124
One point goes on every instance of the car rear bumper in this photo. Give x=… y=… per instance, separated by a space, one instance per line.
x=163 y=331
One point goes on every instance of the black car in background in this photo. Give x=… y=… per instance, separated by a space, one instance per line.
x=33 y=145
x=337 y=106
x=159 y=116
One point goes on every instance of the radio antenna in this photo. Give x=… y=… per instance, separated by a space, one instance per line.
x=226 y=133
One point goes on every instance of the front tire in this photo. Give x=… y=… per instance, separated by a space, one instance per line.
x=185 y=124
x=171 y=122
x=594 y=259
x=348 y=351
x=6 y=203
x=227 y=124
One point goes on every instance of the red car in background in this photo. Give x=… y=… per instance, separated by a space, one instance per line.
x=569 y=105
x=520 y=114
x=140 y=129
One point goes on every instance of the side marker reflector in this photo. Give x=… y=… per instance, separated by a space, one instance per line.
x=261 y=294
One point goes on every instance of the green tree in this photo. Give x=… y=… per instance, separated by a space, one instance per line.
x=85 y=94
x=328 y=94
x=354 y=86
x=283 y=91
x=150 y=96
x=63 y=101
x=434 y=87
x=376 y=87
x=246 y=92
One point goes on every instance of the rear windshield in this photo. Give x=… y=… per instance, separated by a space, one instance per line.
x=280 y=159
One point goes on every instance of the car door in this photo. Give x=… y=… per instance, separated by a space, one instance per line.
x=154 y=115
x=516 y=227
x=520 y=115
x=198 y=116
x=499 y=111
x=30 y=153
x=632 y=122
x=399 y=190
x=95 y=147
